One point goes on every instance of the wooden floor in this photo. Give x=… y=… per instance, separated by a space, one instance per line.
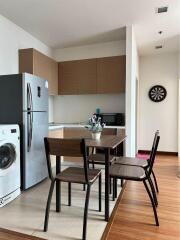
x=11 y=235
x=134 y=220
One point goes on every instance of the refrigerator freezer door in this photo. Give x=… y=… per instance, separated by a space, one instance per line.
x=35 y=93
x=34 y=164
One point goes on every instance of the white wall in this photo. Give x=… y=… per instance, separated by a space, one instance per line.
x=132 y=73
x=79 y=108
x=13 y=38
x=74 y=108
x=163 y=70
x=91 y=51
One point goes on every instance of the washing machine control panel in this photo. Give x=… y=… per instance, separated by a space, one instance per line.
x=3 y=133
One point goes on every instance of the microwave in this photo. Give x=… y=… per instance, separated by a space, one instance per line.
x=112 y=119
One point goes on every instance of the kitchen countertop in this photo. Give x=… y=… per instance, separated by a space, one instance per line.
x=54 y=126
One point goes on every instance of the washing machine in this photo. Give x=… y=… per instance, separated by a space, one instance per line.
x=9 y=163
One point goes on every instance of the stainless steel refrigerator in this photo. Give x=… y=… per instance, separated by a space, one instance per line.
x=24 y=100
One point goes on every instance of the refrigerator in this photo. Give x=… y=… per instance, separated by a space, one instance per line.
x=24 y=101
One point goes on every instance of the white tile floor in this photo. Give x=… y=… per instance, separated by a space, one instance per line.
x=26 y=213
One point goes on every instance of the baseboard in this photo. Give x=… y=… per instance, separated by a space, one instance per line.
x=159 y=152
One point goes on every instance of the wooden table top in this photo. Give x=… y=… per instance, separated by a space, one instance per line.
x=106 y=141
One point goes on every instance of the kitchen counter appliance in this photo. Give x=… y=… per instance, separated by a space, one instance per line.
x=112 y=119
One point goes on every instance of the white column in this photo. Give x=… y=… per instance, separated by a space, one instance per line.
x=131 y=76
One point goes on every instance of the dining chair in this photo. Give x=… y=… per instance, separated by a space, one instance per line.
x=81 y=175
x=137 y=173
x=145 y=164
x=97 y=156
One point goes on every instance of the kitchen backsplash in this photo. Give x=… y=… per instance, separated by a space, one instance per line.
x=78 y=108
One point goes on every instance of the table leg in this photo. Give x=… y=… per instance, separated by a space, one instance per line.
x=107 y=181
x=58 y=185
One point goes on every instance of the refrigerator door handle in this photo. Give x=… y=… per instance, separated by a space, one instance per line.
x=29 y=130
x=31 y=97
x=29 y=105
x=31 y=116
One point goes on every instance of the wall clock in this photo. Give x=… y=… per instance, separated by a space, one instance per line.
x=157 y=93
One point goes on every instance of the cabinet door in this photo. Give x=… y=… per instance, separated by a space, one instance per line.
x=26 y=60
x=46 y=68
x=87 y=76
x=76 y=132
x=41 y=65
x=34 y=62
x=111 y=74
x=68 y=80
x=53 y=81
x=58 y=133
x=77 y=77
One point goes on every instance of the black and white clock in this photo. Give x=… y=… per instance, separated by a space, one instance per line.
x=157 y=93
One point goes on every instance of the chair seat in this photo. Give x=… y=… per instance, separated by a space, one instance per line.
x=99 y=158
x=76 y=175
x=127 y=172
x=132 y=161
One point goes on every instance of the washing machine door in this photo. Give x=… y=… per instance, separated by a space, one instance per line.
x=7 y=155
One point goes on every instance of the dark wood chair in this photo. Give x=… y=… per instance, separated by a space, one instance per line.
x=136 y=173
x=145 y=164
x=97 y=156
x=84 y=175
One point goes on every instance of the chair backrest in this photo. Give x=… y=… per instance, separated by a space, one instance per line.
x=153 y=154
x=65 y=147
x=154 y=143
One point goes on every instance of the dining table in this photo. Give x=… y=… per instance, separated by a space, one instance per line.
x=107 y=143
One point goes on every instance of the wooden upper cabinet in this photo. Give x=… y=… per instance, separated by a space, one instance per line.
x=67 y=78
x=34 y=62
x=42 y=66
x=77 y=77
x=53 y=83
x=111 y=74
x=26 y=60
x=87 y=76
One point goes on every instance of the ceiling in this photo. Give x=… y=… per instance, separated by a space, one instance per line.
x=67 y=23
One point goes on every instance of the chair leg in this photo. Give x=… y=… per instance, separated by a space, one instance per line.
x=69 y=194
x=115 y=188
x=153 y=191
x=46 y=220
x=114 y=185
x=84 y=187
x=122 y=182
x=155 y=181
x=110 y=190
x=93 y=164
x=152 y=202
x=86 y=212
x=100 y=191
